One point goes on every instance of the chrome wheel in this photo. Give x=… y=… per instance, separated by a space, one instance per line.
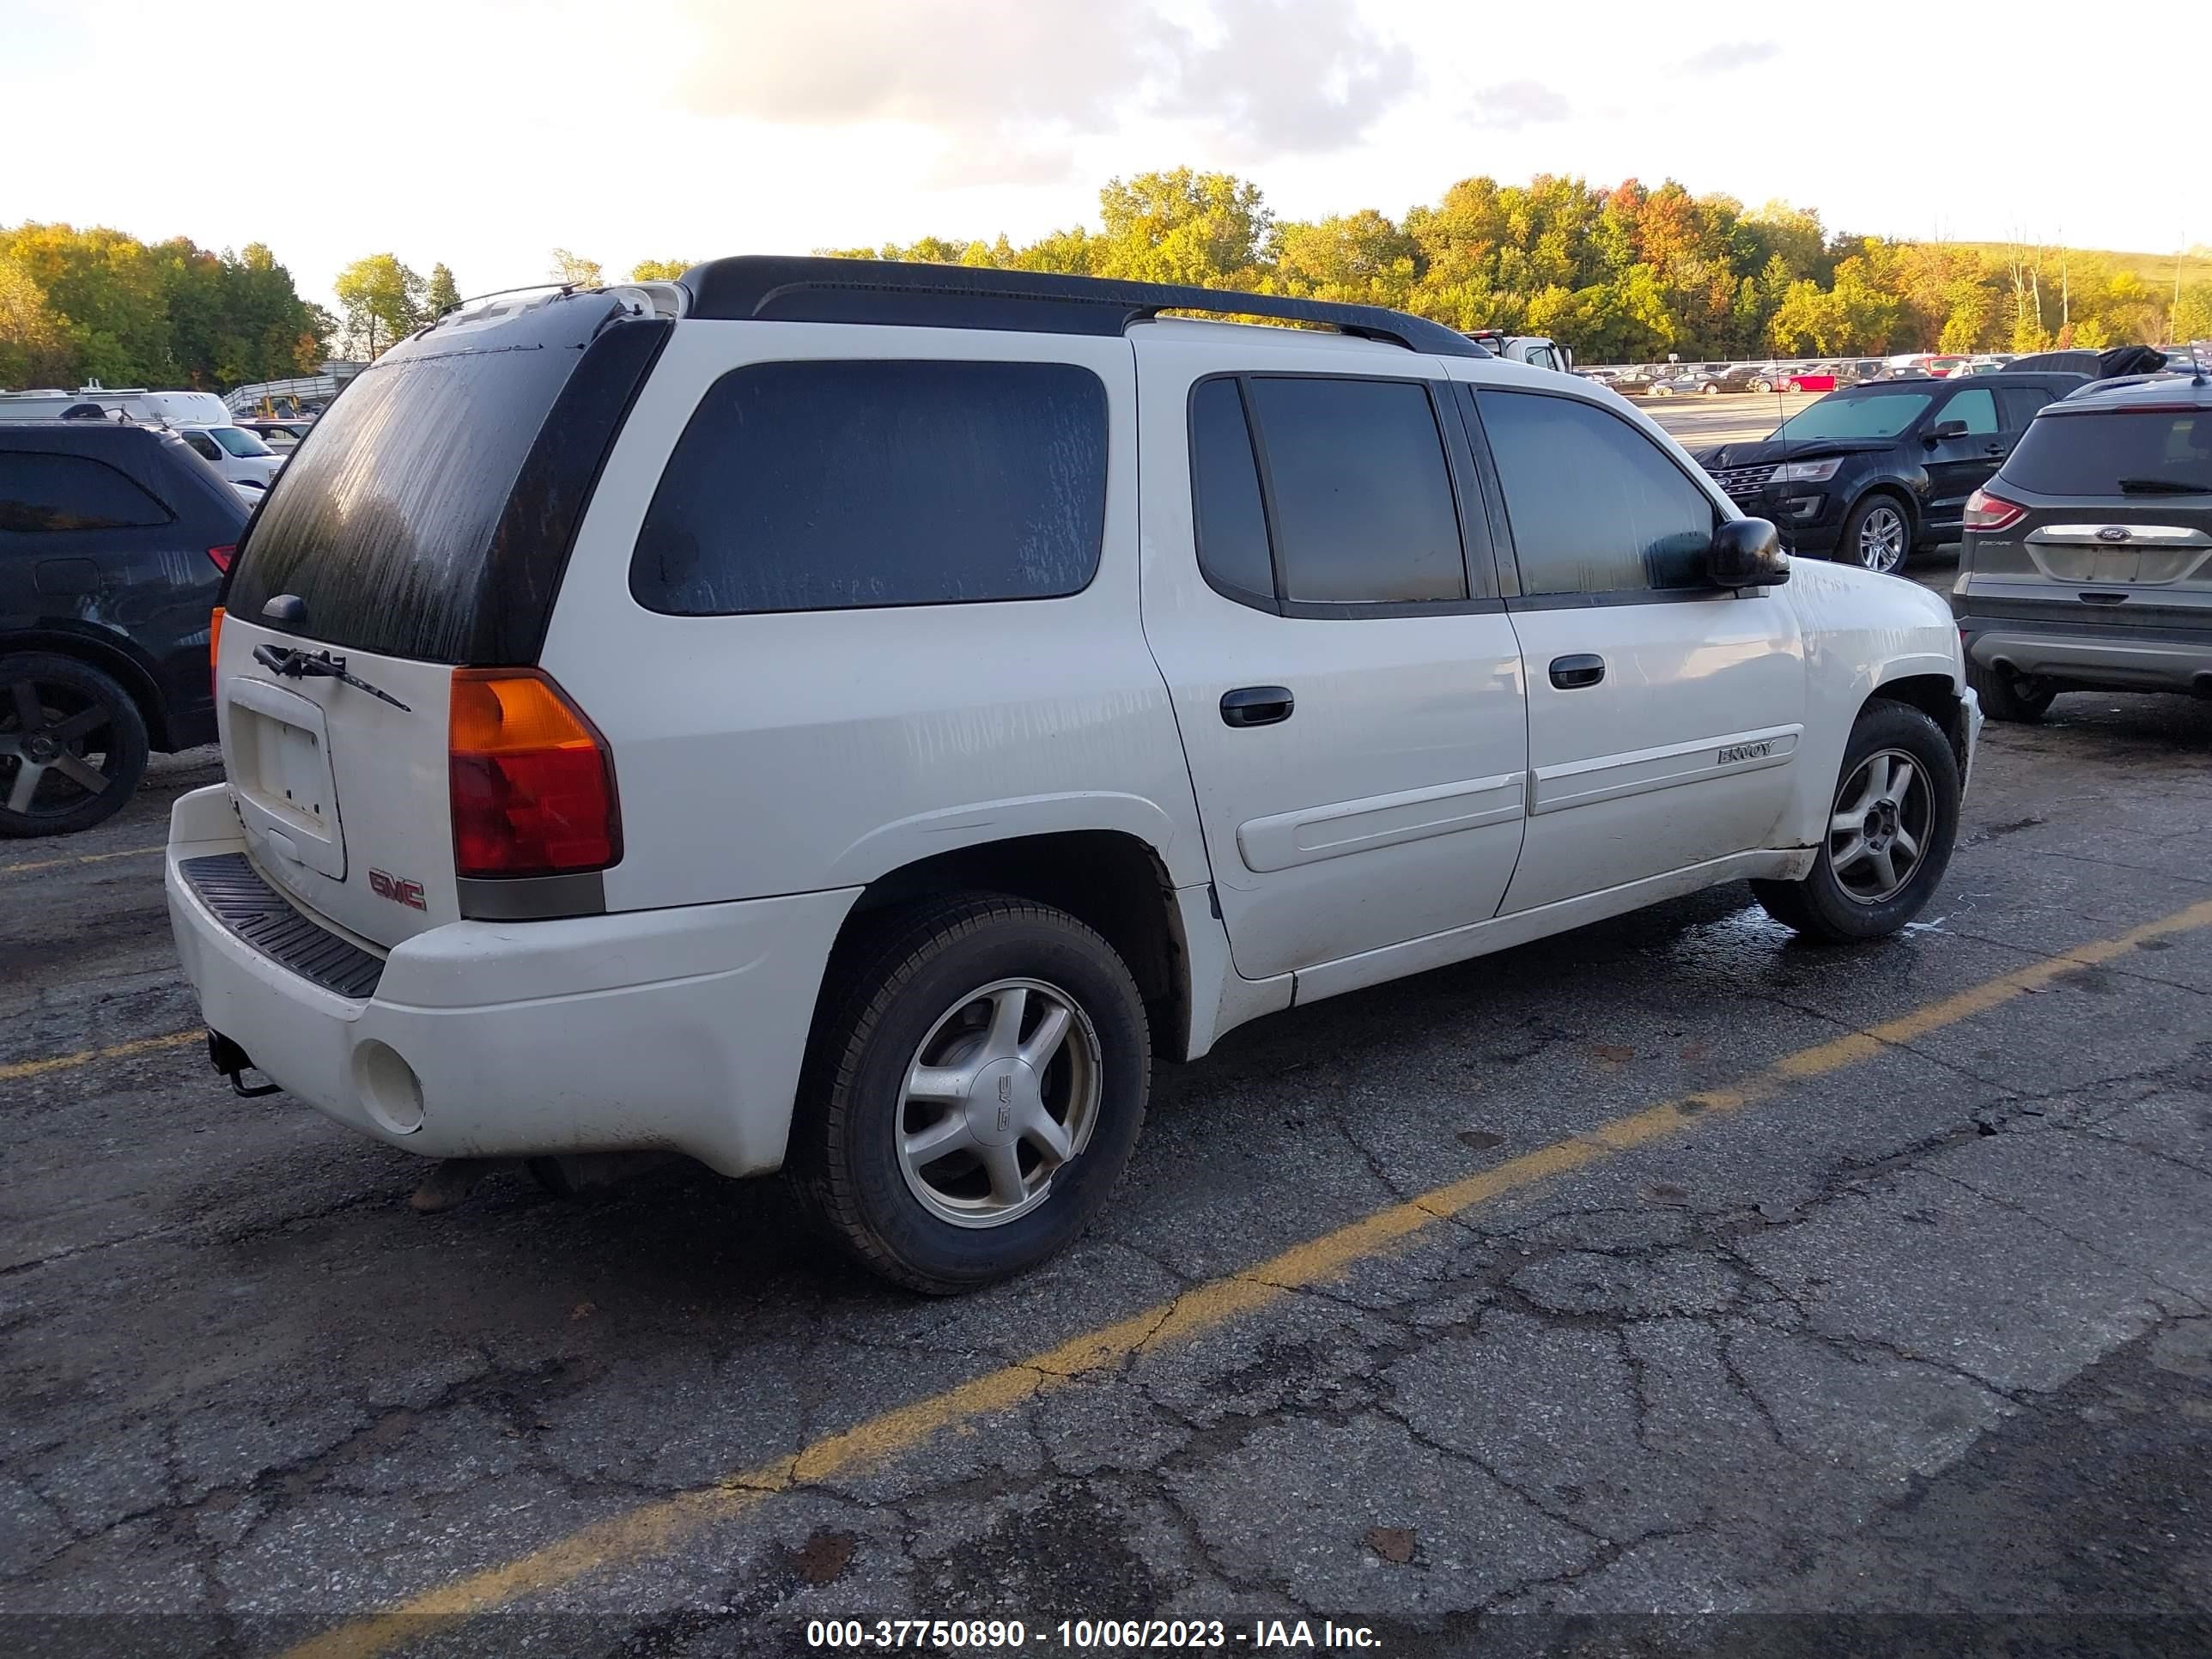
x=1880 y=826
x=1881 y=538
x=1001 y=1095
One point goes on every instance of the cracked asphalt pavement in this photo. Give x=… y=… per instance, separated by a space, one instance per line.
x=1915 y=1343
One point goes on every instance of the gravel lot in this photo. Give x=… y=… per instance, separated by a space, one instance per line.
x=1770 y=1285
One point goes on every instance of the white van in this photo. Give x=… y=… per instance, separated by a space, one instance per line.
x=851 y=717
x=173 y=408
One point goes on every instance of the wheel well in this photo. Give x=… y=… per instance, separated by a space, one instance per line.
x=1107 y=880
x=128 y=673
x=1935 y=696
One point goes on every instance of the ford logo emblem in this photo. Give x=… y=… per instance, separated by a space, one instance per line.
x=2113 y=532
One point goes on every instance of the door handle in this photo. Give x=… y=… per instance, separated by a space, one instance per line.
x=1993 y=449
x=2102 y=598
x=1256 y=705
x=1572 y=673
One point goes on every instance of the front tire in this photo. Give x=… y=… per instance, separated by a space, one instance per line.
x=1891 y=823
x=2007 y=696
x=73 y=745
x=972 y=1091
x=1877 y=535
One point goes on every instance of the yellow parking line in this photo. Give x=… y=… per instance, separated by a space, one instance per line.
x=36 y=864
x=23 y=1068
x=651 y=1528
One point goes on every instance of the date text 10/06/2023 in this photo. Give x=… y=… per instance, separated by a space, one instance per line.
x=1086 y=1635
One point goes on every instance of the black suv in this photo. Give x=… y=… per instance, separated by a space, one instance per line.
x=1871 y=472
x=113 y=541
x=2088 y=559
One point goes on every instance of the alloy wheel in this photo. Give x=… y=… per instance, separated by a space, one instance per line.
x=1002 y=1093
x=1881 y=538
x=1879 y=830
x=55 y=749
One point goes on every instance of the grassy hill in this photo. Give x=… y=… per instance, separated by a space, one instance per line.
x=2156 y=269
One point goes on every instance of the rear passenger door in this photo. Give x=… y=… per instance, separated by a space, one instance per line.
x=1320 y=592
x=1664 y=715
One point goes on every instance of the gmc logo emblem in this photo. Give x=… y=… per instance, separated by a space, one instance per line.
x=399 y=891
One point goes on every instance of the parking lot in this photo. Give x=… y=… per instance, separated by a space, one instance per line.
x=1667 y=1267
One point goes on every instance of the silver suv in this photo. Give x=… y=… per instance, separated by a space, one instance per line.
x=2087 y=560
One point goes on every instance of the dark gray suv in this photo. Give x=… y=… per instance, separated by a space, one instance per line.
x=2087 y=560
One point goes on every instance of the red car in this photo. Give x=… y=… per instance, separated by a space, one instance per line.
x=1821 y=377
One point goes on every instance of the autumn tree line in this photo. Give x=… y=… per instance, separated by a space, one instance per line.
x=1623 y=274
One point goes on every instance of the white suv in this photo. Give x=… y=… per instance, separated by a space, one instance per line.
x=848 y=718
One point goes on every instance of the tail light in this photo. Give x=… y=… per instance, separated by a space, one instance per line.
x=532 y=780
x=215 y=644
x=1988 y=512
x=221 y=556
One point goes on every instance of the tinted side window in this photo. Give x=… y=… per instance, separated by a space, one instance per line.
x=1596 y=506
x=1360 y=491
x=829 y=485
x=42 y=493
x=2019 y=404
x=1978 y=408
x=1225 y=482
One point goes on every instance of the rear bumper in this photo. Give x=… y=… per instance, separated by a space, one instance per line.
x=2086 y=653
x=681 y=1029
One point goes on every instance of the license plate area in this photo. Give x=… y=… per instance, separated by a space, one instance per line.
x=281 y=777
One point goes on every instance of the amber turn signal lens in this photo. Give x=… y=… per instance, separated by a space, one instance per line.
x=533 y=782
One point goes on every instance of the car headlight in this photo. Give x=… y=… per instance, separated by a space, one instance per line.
x=1807 y=471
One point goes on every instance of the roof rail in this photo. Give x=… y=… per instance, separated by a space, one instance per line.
x=821 y=290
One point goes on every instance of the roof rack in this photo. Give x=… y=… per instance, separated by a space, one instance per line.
x=821 y=290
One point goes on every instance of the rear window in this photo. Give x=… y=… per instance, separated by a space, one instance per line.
x=43 y=493
x=844 y=485
x=2090 y=454
x=428 y=512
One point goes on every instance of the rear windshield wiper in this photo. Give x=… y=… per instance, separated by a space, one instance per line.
x=2163 y=486
x=298 y=665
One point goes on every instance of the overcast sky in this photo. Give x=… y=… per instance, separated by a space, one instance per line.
x=484 y=134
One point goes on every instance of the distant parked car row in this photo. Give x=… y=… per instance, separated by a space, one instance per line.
x=1833 y=373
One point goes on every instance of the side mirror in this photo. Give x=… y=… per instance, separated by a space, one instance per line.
x=1747 y=553
x=1943 y=430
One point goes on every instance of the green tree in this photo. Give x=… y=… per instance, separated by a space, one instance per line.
x=2192 y=315
x=1183 y=227
x=575 y=271
x=32 y=350
x=383 y=301
x=442 y=294
x=658 y=271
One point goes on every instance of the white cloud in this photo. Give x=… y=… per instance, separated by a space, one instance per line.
x=1725 y=57
x=1516 y=105
x=1007 y=86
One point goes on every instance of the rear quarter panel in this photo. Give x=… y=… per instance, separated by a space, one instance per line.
x=784 y=753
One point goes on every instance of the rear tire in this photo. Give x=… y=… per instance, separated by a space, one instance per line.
x=925 y=1041
x=2006 y=696
x=73 y=745
x=1846 y=898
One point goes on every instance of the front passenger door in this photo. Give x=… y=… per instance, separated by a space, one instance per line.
x=1664 y=715
x=1961 y=464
